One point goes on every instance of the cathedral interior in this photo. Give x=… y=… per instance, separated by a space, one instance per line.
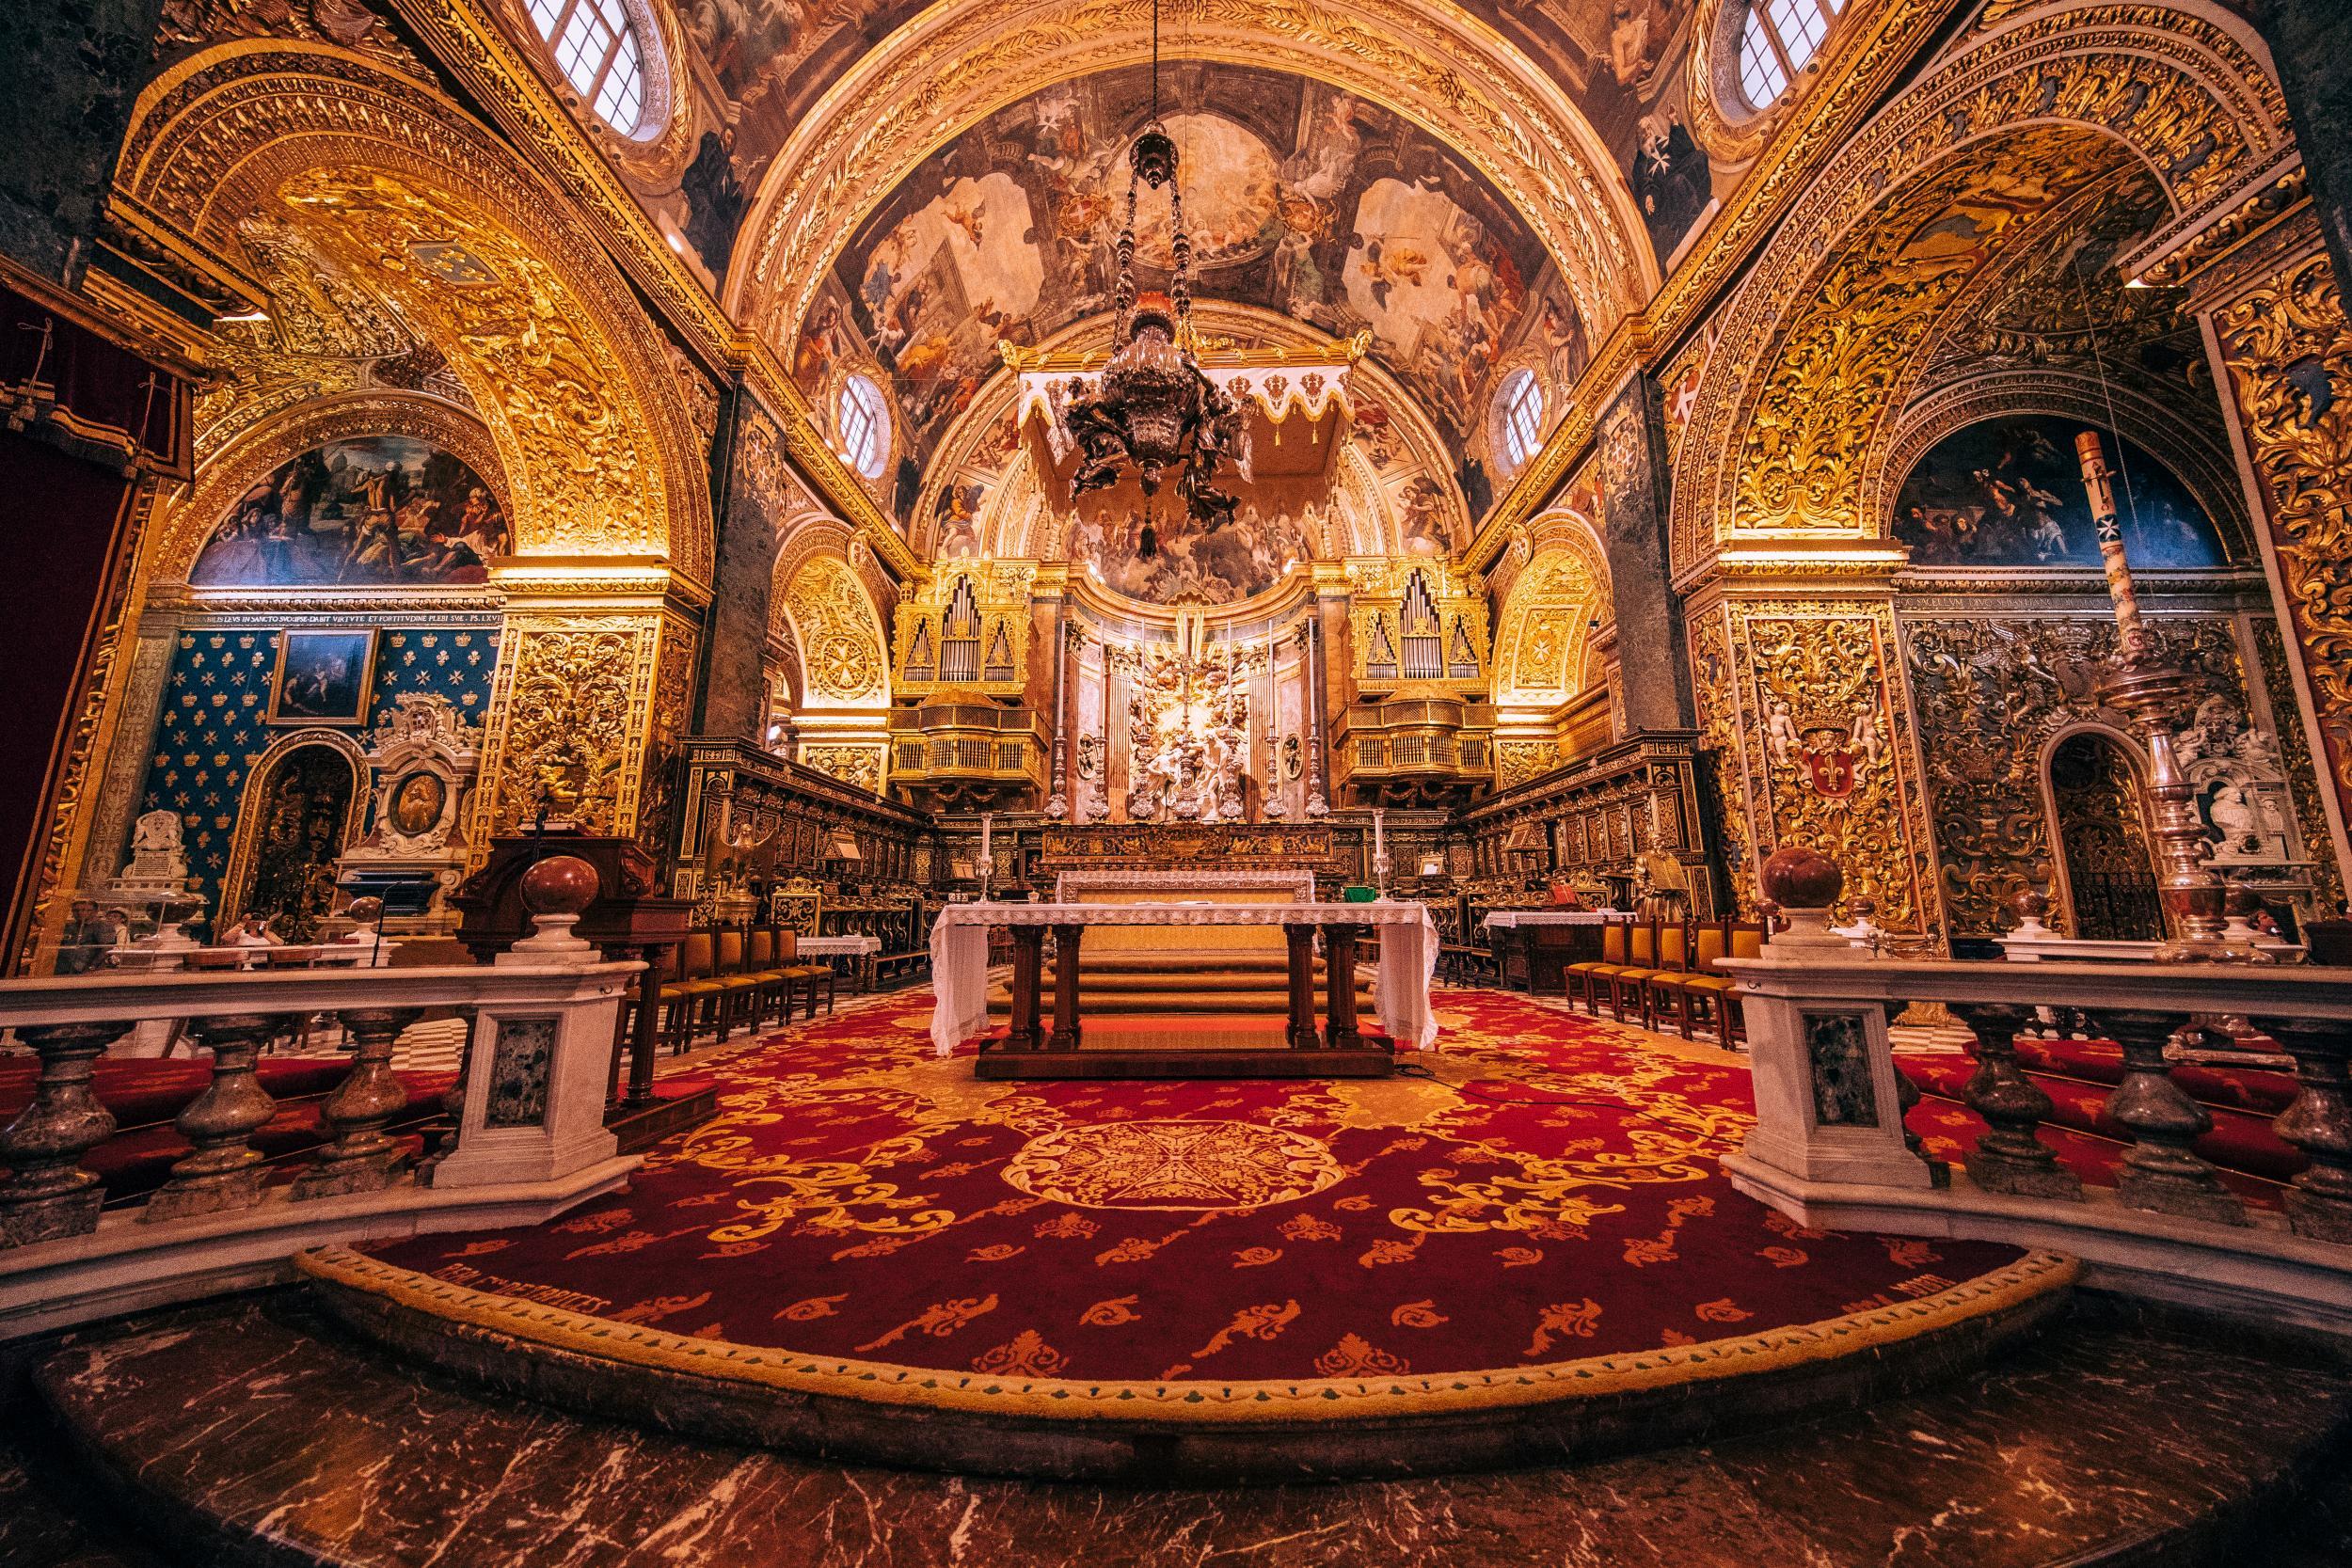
x=1628 y=722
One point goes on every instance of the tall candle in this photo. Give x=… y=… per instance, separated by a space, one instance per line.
x=1379 y=835
x=987 y=863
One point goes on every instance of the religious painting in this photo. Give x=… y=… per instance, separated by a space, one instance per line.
x=376 y=509
x=1622 y=63
x=1299 y=198
x=322 y=678
x=2009 y=492
x=1188 y=560
x=417 y=804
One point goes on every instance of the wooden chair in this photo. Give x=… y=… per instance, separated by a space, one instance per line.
x=1675 y=992
x=802 y=981
x=1583 y=982
x=1640 y=963
x=1674 y=961
x=771 y=990
x=689 y=985
x=1719 y=993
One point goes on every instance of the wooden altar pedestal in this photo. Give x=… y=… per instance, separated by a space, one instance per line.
x=629 y=920
x=1334 y=1045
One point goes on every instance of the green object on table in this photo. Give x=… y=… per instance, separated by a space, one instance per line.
x=1353 y=893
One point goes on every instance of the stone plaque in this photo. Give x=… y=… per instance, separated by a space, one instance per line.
x=1837 y=1048
x=519 y=1072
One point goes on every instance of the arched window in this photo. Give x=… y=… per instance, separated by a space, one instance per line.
x=865 y=427
x=1778 y=38
x=1521 y=404
x=596 y=47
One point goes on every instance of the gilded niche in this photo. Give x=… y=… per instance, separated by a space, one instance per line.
x=2289 y=349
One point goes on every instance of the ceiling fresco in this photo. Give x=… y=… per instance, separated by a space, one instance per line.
x=1621 y=61
x=1300 y=199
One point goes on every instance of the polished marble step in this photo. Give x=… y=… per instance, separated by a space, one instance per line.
x=250 y=1433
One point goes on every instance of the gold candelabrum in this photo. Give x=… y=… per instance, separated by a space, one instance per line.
x=2157 y=697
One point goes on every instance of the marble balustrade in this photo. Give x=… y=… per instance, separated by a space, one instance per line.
x=1830 y=1146
x=524 y=1131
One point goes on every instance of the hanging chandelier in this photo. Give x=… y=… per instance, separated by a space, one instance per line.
x=1153 y=411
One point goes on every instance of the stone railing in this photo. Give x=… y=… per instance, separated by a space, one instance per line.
x=523 y=1139
x=1830 y=1146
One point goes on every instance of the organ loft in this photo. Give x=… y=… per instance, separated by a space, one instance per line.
x=1421 y=781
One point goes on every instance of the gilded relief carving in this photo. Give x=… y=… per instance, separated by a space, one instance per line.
x=2294 y=755
x=1716 y=692
x=569 y=709
x=840 y=641
x=1826 y=746
x=2181 y=92
x=2289 y=349
x=1991 y=695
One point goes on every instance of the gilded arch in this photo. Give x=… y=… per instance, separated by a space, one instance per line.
x=394 y=195
x=833 y=620
x=2181 y=89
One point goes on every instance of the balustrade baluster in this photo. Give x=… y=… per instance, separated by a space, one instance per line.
x=45 y=1193
x=2319 y=1122
x=361 y=1157
x=225 y=1171
x=2161 y=1172
x=2009 y=1158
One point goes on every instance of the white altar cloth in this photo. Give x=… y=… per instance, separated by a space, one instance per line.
x=1408 y=953
x=830 y=947
x=1507 y=919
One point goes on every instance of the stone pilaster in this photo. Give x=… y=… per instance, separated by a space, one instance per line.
x=1652 y=689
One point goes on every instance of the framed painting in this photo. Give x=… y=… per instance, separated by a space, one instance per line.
x=323 y=677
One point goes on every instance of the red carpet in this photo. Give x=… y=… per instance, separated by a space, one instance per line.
x=1552 y=1194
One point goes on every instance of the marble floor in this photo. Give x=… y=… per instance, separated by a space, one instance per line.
x=296 y=1447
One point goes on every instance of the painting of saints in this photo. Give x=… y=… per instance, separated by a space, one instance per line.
x=379 y=509
x=2010 y=493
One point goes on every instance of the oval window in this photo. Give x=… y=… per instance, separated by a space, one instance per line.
x=1521 y=404
x=864 y=424
x=597 y=46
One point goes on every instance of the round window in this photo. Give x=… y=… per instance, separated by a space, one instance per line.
x=599 y=48
x=1778 y=38
x=1520 y=409
x=864 y=425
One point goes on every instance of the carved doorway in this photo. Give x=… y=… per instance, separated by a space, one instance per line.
x=297 y=815
x=2103 y=840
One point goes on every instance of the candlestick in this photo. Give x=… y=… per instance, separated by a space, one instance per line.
x=2157 y=696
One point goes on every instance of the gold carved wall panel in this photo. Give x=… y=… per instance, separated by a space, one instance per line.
x=1991 y=693
x=2289 y=350
x=1825 y=747
x=570 y=710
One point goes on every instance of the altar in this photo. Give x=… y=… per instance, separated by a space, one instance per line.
x=1333 y=1046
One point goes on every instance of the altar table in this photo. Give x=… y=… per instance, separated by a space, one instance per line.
x=1408 y=959
x=1533 y=948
